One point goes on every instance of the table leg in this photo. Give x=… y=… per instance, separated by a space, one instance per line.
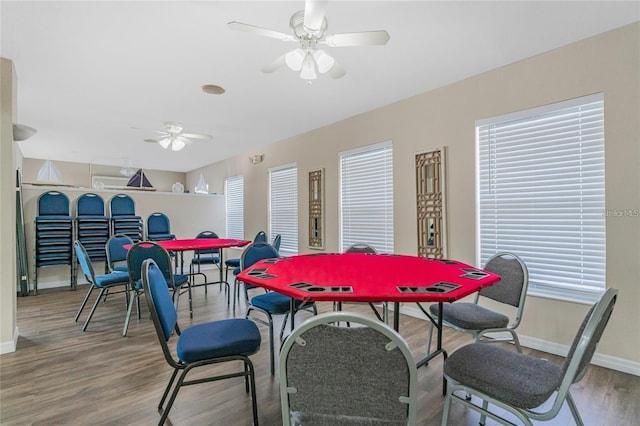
x=396 y=316
x=424 y=361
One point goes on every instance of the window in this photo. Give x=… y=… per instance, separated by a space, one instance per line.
x=541 y=195
x=366 y=197
x=283 y=207
x=234 y=197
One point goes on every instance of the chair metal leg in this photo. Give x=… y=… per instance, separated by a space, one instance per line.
x=93 y=309
x=168 y=388
x=132 y=300
x=172 y=398
x=84 y=302
x=574 y=409
x=429 y=338
x=252 y=381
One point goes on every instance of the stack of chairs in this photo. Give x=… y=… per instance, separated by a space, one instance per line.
x=124 y=220
x=92 y=226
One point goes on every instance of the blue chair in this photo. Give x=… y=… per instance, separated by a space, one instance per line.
x=277 y=240
x=199 y=345
x=123 y=217
x=159 y=227
x=234 y=263
x=270 y=303
x=206 y=257
x=116 y=253
x=103 y=282
x=137 y=254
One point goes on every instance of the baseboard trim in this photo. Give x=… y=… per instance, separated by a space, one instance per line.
x=607 y=361
x=8 y=347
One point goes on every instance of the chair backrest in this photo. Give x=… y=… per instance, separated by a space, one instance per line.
x=514 y=280
x=85 y=262
x=53 y=203
x=158 y=223
x=584 y=346
x=261 y=237
x=347 y=375
x=122 y=205
x=207 y=234
x=115 y=250
x=255 y=252
x=277 y=240
x=360 y=248
x=144 y=250
x=160 y=303
x=90 y=205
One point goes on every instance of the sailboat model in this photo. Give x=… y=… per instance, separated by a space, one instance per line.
x=139 y=181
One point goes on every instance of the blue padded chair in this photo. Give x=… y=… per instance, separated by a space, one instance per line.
x=525 y=386
x=332 y=375
x=199 y=345
x=270 y=303
x=103 y=282
x=124 y=220
x=116 y=253
x=159 y=227
x=478 y=320
x=277 y=240
x=206 y=257
x=137 y=254
x=234 y=263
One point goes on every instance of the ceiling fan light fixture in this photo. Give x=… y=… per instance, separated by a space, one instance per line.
x=323 y=60
x=177 y=144
x=294 y=59
x=165 y=142
x=308 y=68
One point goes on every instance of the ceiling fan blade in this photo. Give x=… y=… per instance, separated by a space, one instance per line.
x=314 y=12
x=196 y=136
x=151 y=140
x=337 y=71
x=239 y=26
x=365 y=38
x=280 y=62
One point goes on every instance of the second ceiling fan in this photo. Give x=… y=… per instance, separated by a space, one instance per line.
x=309 y=27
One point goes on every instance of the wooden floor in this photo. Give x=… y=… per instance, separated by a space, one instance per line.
x=62 y=376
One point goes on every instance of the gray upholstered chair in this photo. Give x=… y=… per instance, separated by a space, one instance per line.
x=478 y=320
x=521 y=384
x=360 y=375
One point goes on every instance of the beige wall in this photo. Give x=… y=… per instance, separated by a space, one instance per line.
x=79 y=174
x=607 y=63
x=8 y=332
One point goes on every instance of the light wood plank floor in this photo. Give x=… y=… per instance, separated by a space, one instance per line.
x=62 y=376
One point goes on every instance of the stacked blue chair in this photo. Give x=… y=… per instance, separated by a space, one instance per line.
x=159 y=227
x=92 y=226
x=53 y=234
x=123 y=217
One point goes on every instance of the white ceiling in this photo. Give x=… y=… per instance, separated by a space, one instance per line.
x=90 y=71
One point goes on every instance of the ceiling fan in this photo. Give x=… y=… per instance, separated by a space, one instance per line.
x=173 y=136
x=309 y=27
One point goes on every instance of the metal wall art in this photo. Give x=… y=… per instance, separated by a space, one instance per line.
x=430 y=192
x=316 y=209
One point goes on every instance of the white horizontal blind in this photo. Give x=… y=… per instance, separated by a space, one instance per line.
x=542 y=196
x=366 y=197
x=234 y=197
x=283 y=207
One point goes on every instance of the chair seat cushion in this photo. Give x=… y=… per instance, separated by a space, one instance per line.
x=205 y=260
x=160 y=237
x=121 y=268
x=180 y=279
x=274 y=302
x=236 y=270
x=114 y=278
x=217 y=339
x=517 y=379
x=232 y=263
x=470 y=316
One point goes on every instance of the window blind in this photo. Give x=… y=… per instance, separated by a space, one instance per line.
x=283 y=207
x=234 y=197
x=541 y=195
x=366 y=197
